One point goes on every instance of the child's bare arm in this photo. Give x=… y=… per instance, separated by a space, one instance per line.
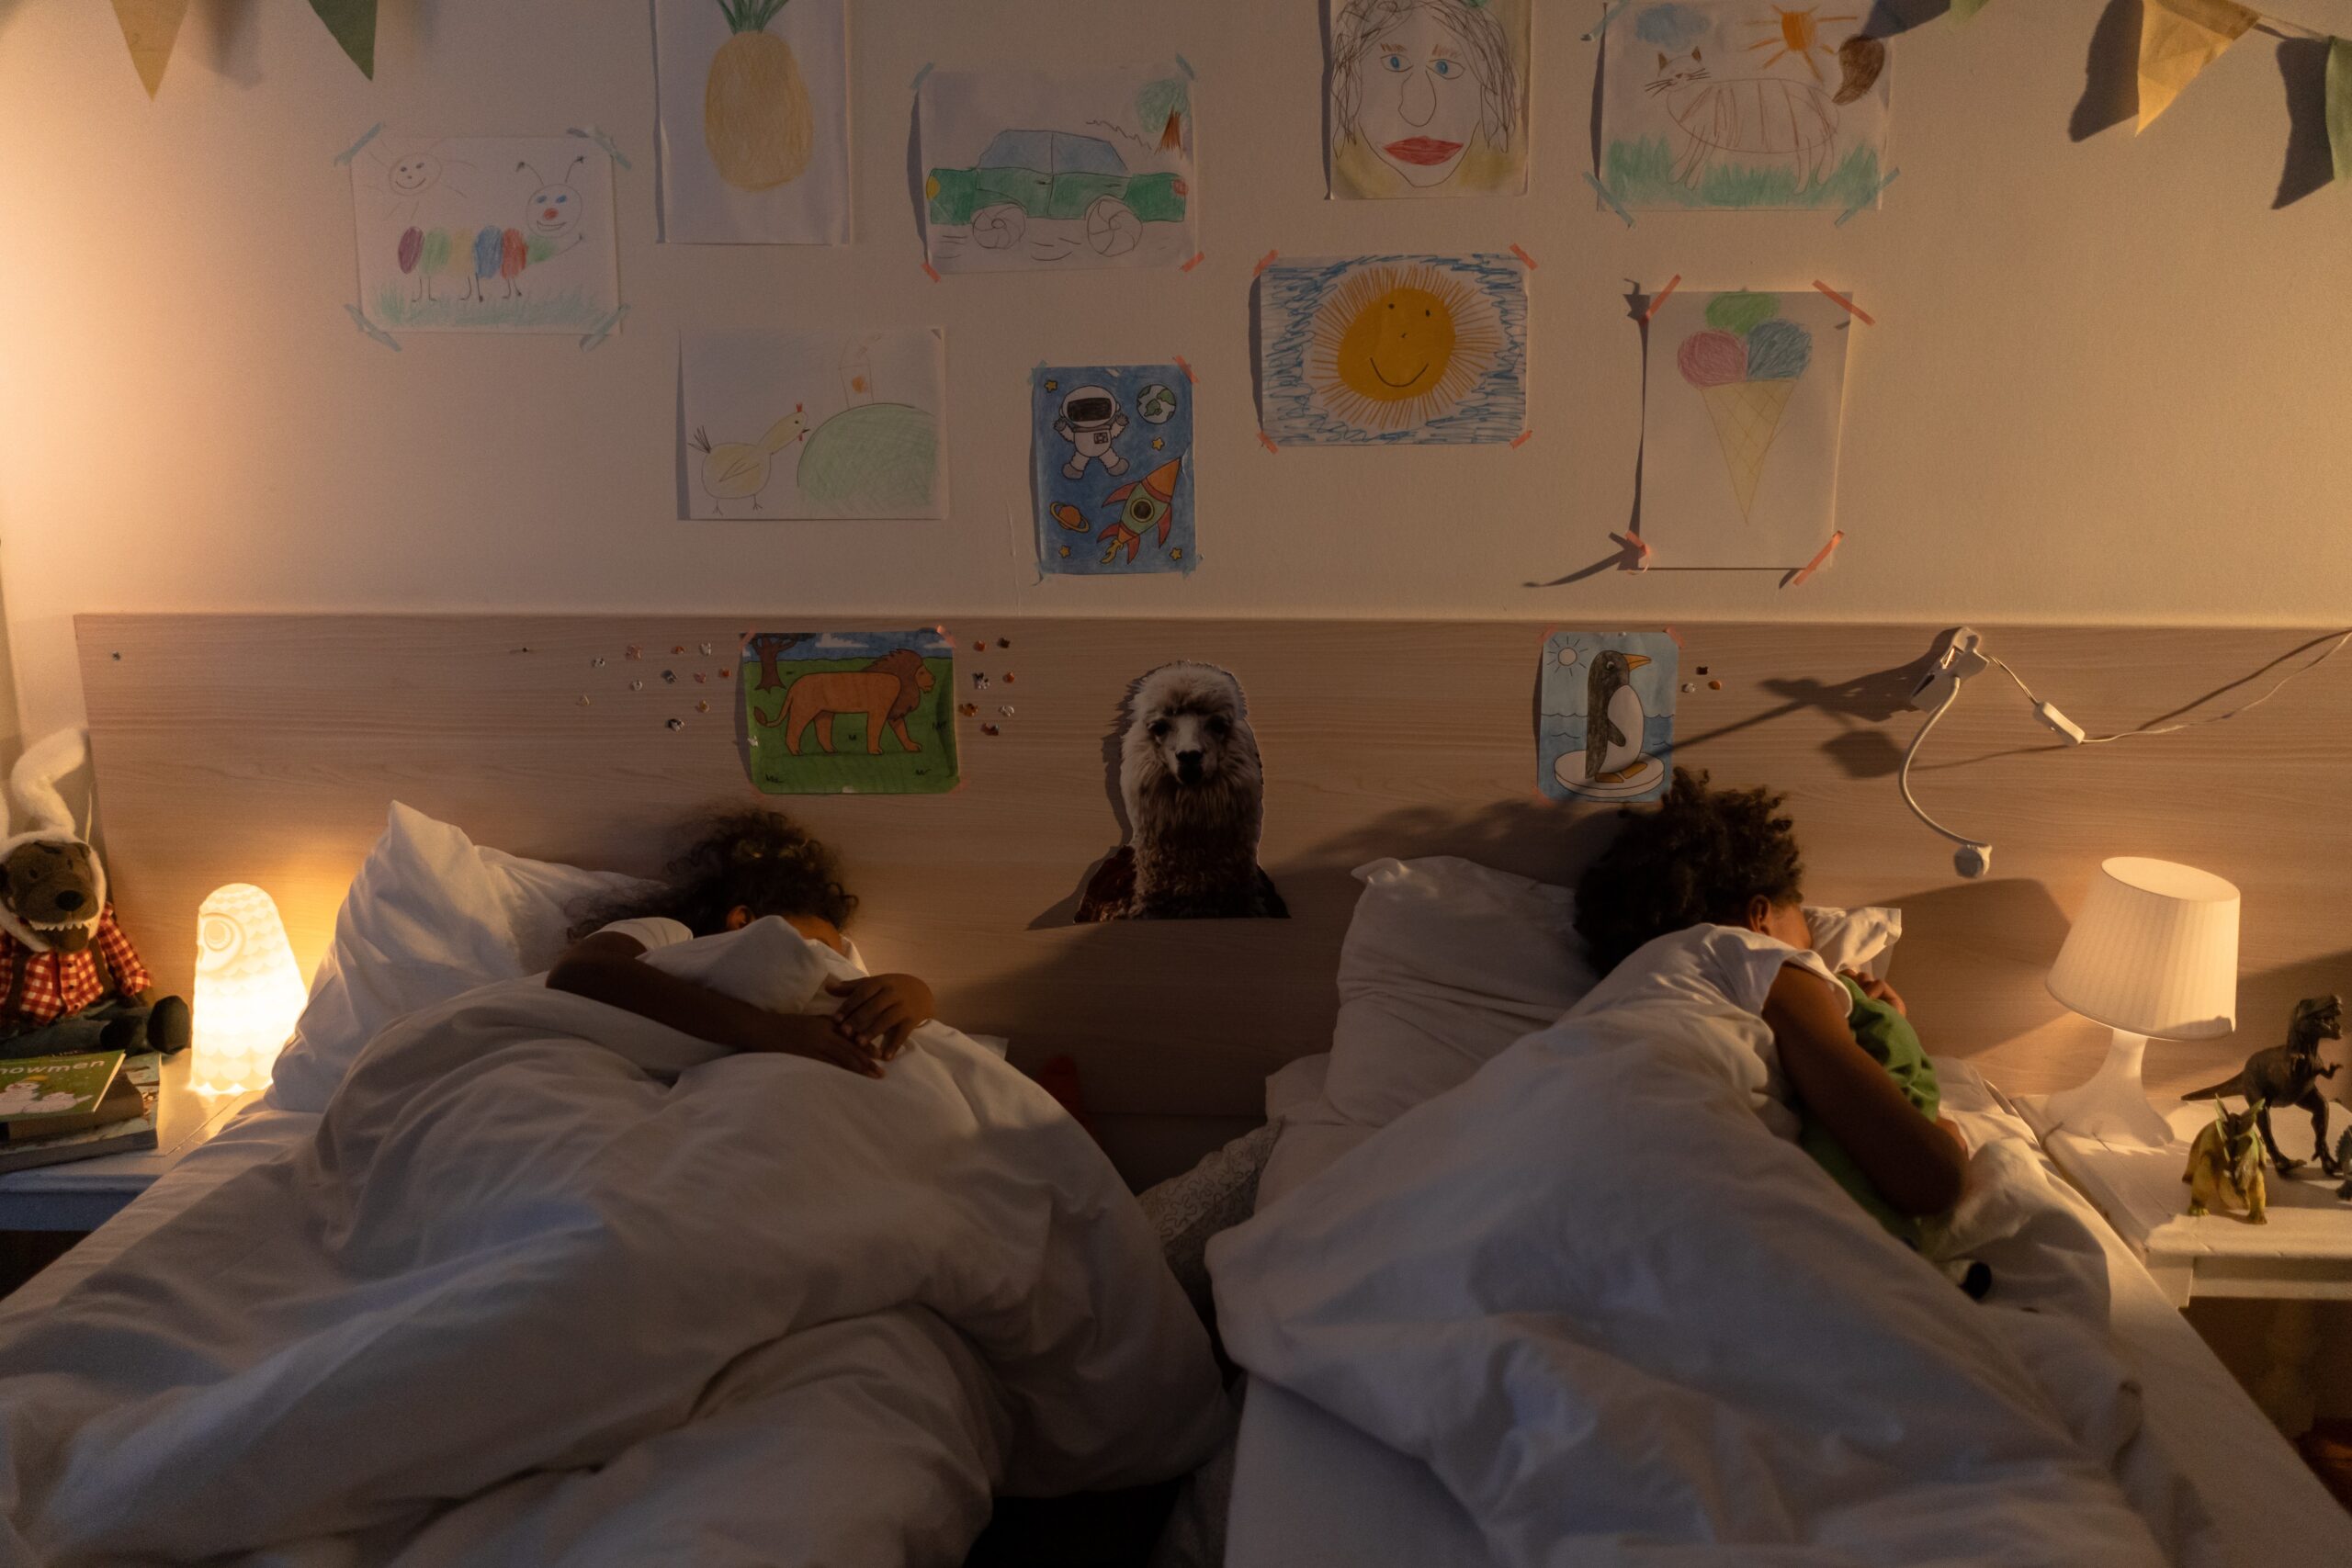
x=604 y=969
x=1918 y=1165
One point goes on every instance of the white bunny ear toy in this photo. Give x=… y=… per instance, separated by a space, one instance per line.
x=34 y=781
x=41 y=816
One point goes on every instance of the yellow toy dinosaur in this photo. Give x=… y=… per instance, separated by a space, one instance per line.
x=2226 y=1166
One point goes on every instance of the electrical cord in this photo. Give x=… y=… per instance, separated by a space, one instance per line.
x=2325 y=654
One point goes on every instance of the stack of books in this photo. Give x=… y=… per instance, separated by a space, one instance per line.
x=54 y=1108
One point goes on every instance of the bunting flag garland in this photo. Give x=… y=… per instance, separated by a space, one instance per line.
x=150 y=27
x=2177 y=39
x=1963 y=9
x=353 y=22
x=2340 y=105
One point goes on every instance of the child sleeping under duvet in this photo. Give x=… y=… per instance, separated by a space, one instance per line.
x=743 y=866
x=617 y=1266
x=1707 y=891
x=1621 y=1322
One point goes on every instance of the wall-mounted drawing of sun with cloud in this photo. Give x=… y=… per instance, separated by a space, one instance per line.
x=1408 y=349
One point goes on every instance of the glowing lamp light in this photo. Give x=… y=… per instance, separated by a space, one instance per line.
x=2154 y=952
x=248 y=990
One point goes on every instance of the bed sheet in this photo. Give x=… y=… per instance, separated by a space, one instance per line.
x=1310 y=1488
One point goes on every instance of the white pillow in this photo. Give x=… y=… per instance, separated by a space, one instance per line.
x=1447 y=962
x=1860 y=939
x=430 y=916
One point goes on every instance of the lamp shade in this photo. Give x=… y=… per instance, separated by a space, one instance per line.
x=248 y=990
x=2154 y=952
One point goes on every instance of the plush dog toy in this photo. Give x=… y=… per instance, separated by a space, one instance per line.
x=73 y=981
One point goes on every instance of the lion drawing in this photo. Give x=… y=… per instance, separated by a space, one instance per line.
x=884 y=692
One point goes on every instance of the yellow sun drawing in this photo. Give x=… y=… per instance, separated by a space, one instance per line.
x=1395 y=346
x=1797 y=33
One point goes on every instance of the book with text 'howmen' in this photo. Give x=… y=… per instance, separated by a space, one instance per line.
x=36 y=1088
x=124 y=1122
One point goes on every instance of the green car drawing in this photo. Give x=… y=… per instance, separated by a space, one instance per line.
x=1051 y=174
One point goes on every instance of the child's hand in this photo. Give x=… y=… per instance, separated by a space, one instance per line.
x=1878 y=990
x=880 y=1011
x=795 y=1035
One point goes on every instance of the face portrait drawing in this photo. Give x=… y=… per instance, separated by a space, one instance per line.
x=1420 y=83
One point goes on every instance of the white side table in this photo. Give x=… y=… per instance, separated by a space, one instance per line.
x=82 y=1195
x=2302 y=1257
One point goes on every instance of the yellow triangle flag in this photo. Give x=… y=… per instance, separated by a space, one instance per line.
x=150 y=27
x=2177 y=39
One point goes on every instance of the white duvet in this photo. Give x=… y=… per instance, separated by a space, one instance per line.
x=554 y=1284
x=1623 y=1324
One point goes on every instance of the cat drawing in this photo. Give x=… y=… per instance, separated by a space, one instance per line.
x=1748 y=118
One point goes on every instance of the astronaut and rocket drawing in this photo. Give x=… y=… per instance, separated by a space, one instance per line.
x=1112 y=469
x=1605 y=715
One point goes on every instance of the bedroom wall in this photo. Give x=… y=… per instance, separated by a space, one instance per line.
x=2106 y=382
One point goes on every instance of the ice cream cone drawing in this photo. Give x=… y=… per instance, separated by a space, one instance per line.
x=1746 y=367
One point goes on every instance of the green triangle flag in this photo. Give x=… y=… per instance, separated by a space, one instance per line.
x=150 y=27
x=2340 y=105
x=1963 y=9
x=353 y=22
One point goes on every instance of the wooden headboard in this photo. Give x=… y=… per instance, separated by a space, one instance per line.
x=266 y=747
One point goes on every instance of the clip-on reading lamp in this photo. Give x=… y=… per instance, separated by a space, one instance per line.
x=1956 y=656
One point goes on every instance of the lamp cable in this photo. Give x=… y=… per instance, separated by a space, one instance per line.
x=2052 y=716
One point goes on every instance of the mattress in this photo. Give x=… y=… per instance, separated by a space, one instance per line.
x=1309 y=1488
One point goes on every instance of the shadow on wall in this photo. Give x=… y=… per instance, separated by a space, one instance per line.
x=2111 y=74
x=2311 y=160
x=1861 y=704
x=1994 y=942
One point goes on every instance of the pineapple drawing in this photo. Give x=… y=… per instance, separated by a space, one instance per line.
x=756 y=118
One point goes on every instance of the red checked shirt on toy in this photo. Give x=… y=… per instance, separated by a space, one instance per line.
x=46 y=987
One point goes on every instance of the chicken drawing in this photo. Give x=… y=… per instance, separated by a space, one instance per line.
x=740 y=471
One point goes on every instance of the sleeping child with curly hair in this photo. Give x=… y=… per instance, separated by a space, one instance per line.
x=742 y=866
x=1706 y=891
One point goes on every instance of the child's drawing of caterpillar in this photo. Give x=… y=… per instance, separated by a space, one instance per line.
x=476 y=258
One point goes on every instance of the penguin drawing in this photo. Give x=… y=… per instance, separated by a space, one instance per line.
x=1614 y=766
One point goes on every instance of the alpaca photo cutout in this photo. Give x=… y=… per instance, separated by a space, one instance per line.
x=1605 y=716
x=1741 y=103
x=486 y=234
x=850 y=713
x=1193 y=790
x=754 y=121
x=1744 y=403
x=1026 y=170
x=1409 y=350
x=792 y=425
x=1428 y=97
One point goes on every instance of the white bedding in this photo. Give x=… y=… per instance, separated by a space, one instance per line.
x=1310 y=1488
x=553 y=1284
x=1620 y=1322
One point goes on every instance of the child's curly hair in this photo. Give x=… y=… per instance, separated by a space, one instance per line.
x=1699 y=857
x=747 y=858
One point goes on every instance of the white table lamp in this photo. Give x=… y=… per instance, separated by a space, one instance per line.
x=248 y=990
x=2154 y=952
